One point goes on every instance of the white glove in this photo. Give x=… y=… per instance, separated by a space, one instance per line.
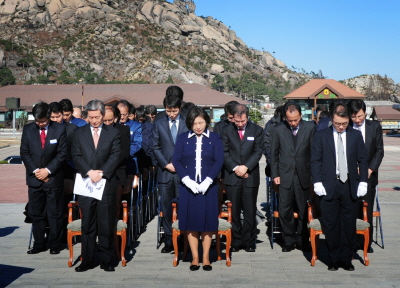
x=319 y=189
x=192 y=185
x=203 y=186
x=362 y=189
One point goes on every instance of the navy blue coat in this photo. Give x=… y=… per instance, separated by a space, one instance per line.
x=198 y=212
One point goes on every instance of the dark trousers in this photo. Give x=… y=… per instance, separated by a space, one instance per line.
x=98 y=219
x=339 y=223
x=244 y=199
x=370 y=199
x=46 y=206
x=293 y=234
x=168 y=191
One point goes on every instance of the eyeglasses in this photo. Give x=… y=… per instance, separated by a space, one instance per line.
x=343 y=124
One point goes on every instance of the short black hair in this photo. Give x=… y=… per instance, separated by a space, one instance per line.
x=186 y=107
x=140 y=112
x=195 y=112
x=279 y=111
x=55 y=107
x=84 y=114
x=291 y=106
x=41 y=110
x=240 y=109
x=66 y=105
x=132 y=110
x=339 y=108
x=356 y=105
x=174 y=90
x=124 y=103
x=151 y=109
x=172 y=101
x=228 y=108
x=323 y=114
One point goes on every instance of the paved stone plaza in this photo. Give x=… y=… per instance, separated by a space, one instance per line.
x=147 y=267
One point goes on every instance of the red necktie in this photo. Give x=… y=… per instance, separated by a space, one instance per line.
x=42 y=137
x=241 y=134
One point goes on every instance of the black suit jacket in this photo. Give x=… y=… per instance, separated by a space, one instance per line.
x=51 y=157
x=220 y=126
x=374 y=145
x=323 y=160
x=106 y=157
x=125 y=150
x=247 y=151
x=286 y=158
x=163 y=145
x=70 y=128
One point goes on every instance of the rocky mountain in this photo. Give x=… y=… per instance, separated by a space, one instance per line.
x=139 y=41
x=136 y=41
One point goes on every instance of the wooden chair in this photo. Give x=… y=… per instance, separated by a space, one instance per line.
x=74 y=228
x=224 y=228
x=316 y=229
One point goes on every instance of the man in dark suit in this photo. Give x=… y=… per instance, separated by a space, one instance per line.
x=164 y=135
x=339 y=167
x=172 y=90
x=43 y=151
x=290 y=169
x=243 y=146
x=96 y=150
x=68 y=109
x=111 y=118
x=372 y=135
x=228 y=108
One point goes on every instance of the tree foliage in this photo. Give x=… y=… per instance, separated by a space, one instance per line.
x=6 y=77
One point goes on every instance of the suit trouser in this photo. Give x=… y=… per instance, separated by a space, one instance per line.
x=168 y=191
x=244 y=199
x=287 y=199
x=370 y=199
x=339 y=222
x=98 y=219
x=46 y=206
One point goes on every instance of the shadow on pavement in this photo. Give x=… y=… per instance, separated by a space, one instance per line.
x=9 y=274
x=7 y=231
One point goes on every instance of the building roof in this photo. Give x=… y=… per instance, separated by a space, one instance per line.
x=315 y=89
x=386 y=113
x=137 y=94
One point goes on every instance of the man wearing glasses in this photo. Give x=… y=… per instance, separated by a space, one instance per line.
x=339 y=167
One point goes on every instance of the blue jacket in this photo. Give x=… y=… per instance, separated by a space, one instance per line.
x=136 y=143
x=78 y=122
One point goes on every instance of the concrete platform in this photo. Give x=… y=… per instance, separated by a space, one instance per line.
x=147 y=267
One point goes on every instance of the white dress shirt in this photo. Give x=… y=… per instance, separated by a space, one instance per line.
x=361 y=128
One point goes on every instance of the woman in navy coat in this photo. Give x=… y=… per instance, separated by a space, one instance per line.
x=198 y=158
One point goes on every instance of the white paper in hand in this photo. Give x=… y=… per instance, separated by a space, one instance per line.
x=85 y=187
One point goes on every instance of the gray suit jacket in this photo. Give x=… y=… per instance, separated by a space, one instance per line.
x=163 y=145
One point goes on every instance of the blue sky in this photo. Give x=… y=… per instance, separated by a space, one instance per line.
x=342 y=38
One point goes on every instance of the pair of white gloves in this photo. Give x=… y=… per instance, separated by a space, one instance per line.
x=319 y=189
x=195 y=187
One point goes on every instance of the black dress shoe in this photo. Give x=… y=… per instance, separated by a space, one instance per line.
x=167 y=248
x=250 y=249
x=36 y=250
x=207 y=267
x=54 y=251
x=287 y=248
x=107 y=267
x=235 y=249
x=370 y=250
x=333 y=266
x=347 y=266
x=83 y=268
x=194 y=267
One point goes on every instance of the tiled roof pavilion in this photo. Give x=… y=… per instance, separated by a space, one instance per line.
x=324 y=89
x=137 y=94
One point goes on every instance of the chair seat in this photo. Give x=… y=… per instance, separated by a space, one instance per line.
x=223 y=225
x=77 y=225
x=316 y=225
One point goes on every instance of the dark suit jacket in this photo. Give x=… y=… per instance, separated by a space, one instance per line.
x=323 y=160
x=285 y=158
x=220 y=126
x=51 y=157
x=247 y=151
x=211 y=154
x=70 y=128
x=163 y=145
x=106 y=157
x=374 y=145
x=124 y=156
